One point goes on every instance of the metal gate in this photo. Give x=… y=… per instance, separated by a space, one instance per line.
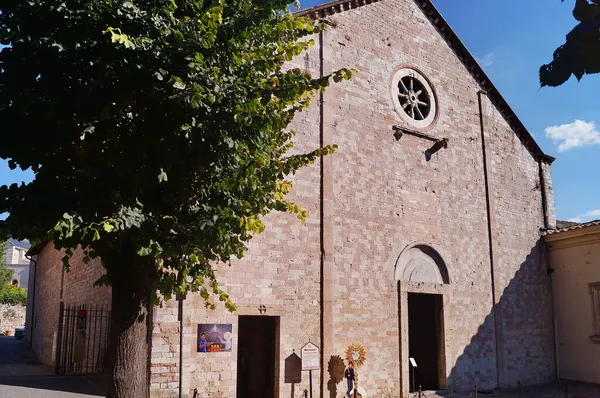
x=83 y=335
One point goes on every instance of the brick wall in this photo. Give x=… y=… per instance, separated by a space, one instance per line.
x=53 y=286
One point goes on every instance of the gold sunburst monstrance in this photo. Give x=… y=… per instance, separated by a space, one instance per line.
x=356 y=354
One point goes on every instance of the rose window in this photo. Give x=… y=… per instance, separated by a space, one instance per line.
x=414 y=98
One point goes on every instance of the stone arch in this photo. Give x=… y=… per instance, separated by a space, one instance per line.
x=421 y=263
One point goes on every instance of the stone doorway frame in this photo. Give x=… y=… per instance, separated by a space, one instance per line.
x=437 y=286
x=404 y=289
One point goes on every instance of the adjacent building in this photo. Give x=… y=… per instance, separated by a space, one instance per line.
x=424 y=238
x=15 y=259
x=575 y=259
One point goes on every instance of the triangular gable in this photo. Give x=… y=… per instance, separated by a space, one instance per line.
x=434 y=16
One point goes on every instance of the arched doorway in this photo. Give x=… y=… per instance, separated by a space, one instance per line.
x=423 y=285
x=421 y=263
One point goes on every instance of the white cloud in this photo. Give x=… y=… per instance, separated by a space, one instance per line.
x=486 y=61
x=574 y=135
x=593 y=213
x=589 y=216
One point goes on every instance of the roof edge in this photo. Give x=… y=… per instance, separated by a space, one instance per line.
x=37 y=249
x=461 y=51
x=332 y=7
x=576 y=227
x=482 y=78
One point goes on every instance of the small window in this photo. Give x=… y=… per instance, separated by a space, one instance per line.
x=595 y=293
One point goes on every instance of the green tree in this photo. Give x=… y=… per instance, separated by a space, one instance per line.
x=10 y=294
x=157 y=133
x=580 y=54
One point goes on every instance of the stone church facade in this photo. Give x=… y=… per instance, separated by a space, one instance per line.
x=423 y=239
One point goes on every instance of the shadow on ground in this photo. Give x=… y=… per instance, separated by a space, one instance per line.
x=551 y=390
x=83 y=385
x=22 y=376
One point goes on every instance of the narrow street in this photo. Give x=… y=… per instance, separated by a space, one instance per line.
x=22 y=377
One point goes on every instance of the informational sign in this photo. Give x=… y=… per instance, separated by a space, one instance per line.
x=413 y=362
x=214 y=337
x=310 y=357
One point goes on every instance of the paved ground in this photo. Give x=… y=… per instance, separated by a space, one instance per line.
x=555 y=390
x=22 y=377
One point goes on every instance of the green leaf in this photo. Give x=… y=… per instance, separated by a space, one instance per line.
x=200 y=88
x=108 y=227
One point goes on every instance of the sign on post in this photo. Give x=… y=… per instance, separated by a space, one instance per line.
x=310 y=357
x=293 y=369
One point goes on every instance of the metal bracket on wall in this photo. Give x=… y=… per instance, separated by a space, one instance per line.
x=438 y=143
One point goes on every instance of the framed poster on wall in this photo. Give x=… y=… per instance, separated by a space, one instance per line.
x=214 y=337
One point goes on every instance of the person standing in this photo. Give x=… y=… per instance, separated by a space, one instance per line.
x=349 y=375
x=202 y=343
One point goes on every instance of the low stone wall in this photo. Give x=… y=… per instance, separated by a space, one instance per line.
x=11 y=317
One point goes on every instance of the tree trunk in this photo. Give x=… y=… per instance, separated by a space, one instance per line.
x=130 y=337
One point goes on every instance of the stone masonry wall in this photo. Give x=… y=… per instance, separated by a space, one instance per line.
x=380 y=196
x=280 y=271
x=11 y=317
x=523 y=287
x=385 y=195
x=389 y=196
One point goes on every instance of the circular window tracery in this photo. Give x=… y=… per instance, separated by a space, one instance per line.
x=414 y=98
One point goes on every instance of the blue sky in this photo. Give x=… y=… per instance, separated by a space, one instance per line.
x=512 y=39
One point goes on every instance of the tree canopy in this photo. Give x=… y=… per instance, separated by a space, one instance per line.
x=580 y=54
x=159 y=126
x=157 y=132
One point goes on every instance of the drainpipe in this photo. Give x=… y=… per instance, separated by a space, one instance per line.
x=544 y=198
x=180 y=298
x=31 y=260
x=321 y=220
x=480 y=95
